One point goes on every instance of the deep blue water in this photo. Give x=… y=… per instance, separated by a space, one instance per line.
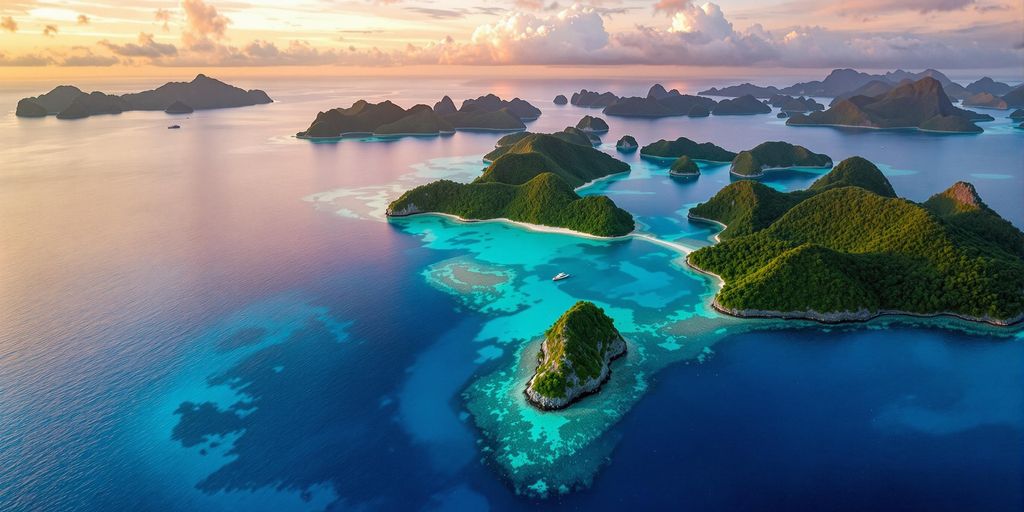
x=218 y=319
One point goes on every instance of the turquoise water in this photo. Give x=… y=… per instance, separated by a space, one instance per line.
x=223 y=319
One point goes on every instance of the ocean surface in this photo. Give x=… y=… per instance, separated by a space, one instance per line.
x=220 y=318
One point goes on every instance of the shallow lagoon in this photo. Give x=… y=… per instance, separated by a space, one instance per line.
x=222 y=319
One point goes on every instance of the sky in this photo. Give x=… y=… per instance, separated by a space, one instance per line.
x=874 y=34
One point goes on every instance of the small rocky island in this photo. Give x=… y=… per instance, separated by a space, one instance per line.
x=560 y=100
x=530 y=181
x=673 y=149
x=202 y=93
x=922 y=104
x=986 y=100
x=775 y=155
x=791 y=104
x=575 y=357
x=848 y=249
x=626 y=144
x=592 y=99
x=591 y=124
x=684 y=167
x=744 y=89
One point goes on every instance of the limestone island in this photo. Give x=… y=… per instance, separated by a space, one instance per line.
x=986 y=84
x=384 y=118
x=791 y=104
x=575 y=357
x=673 y=149
x=661 y=103
x=570 y=134
x=744 y=89
x=592 y=99
x=741 y=106
x=591 y=124
x=986 y=100
x=752 y=163
x=202 y=93
x=532 y=181
x=848 y=249
x=627 y=144
x=561 y=100
x=684 y=167
x=492 y=103
x=922 y=105
x=1017 y=115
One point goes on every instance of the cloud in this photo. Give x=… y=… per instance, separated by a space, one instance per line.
x=83 y=19
x=671 y=7
x=82 y=56
x=146 y=47
x=203 y=26
x=874 y=7
x=164 y=17
x=438 y=14
x=50 y=30
x=7 y=23
x=29 y=59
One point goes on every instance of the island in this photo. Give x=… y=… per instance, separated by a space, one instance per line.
x=627 y=144
x=986 y=100
x=753 y=163
x=591 y=124
x=872 y=88
x=592 y=99
x=986 y=84
x=741 y=106
x=575 y=357
x=202 y=93
x=1017 y=115
x=384 y=118
x=179 y=107
x=744 y=89
x=1015 y=98
x=684 y=167
x=921 y=104
x=561 y=100
x=532 y=181
x=673 y=149
x=660 y=103
x=492 y=103
x=848 y=249
x=791 y=104
x=841 y=81
x=570 y=134
x=445 y=106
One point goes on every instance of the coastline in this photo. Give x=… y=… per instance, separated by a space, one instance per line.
x=765 y=170
x=908 y=128
x=674 y=158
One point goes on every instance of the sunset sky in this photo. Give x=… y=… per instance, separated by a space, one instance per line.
x=946 y=34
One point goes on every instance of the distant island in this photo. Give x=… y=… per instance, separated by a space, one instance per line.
x=627 y=144
x=847 y=249
x=531 y=181
x=202 y=93
x=661 y=103
x=790 y=104
x=1015 y=98
x=986 y=84
x=386 y=119
x=591 y=124
x=684 y=167
x=922 y=104
x=775 y=155
x=741 y=106
x=1017 y=115
x=560 y=100
x=592 y=99
x=673 y=149
x=575 y=357
x=744 y=89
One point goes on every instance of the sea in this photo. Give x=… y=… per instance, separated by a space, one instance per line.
x=220 y=317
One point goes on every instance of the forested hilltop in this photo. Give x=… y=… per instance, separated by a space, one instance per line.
x=848 y=249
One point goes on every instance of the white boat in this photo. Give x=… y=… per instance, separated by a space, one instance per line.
x=560 y=276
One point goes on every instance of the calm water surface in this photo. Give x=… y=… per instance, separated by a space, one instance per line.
x=219 y=318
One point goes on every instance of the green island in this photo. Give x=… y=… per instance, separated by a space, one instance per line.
x=922 y=104
x=673 y=149
x=627 y=144
x=775 y=155
x=574 y=357
x=570 y=134
x=532 y=181
x=847 y=249
x=592 y=124
x=742 y=106
x=684 y=167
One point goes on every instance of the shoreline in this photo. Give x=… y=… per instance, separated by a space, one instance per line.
x=765 y=170
x=674 y=158
x=907 y=128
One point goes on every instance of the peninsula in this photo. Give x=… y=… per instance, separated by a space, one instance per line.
x=575 y=357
